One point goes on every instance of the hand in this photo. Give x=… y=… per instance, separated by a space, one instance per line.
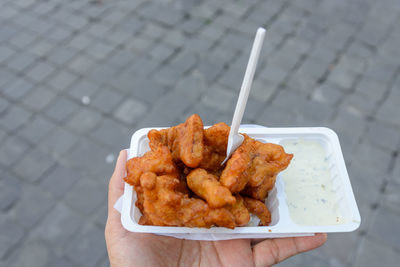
x=136 y=249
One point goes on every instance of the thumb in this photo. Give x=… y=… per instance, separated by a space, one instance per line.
x=116 y=187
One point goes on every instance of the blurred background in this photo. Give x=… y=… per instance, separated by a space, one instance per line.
x=78 y=78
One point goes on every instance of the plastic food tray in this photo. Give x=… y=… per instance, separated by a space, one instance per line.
x=281 y=224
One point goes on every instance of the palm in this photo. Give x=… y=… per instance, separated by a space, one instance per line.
x=135 y=249
x=153 y=250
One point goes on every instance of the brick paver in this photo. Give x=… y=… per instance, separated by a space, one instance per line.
x=78 y=77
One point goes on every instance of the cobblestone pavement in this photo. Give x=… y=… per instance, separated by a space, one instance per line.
x=78 y=77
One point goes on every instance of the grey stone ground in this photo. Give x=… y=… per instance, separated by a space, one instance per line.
x=78 y=77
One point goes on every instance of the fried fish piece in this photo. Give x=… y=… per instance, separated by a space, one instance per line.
x=252 y=163
x=215 y=143
x=164 y=205
x=185 y=141
x=259 y=209
x=239 y=211
x=260 y=192
x=157 y=160
x=206 y=186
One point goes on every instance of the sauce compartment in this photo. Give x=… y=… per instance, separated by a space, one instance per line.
x=282 y=223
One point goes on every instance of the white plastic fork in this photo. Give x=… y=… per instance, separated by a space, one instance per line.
x=235 y=139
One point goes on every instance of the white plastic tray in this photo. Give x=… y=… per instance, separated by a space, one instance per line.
x=281 y=224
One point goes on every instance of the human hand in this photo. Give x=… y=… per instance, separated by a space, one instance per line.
x=137 y=249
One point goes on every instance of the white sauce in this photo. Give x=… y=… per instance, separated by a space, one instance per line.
x=310 y=196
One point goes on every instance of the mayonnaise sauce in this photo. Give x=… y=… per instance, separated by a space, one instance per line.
x=310 y=196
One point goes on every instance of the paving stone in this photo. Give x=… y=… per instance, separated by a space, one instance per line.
x=4 y=104
x=58 y=142
x=31 y=253
x=359 y=49
x=167 y=77
x=85 y=196
x=63 y=80
x=100 y=217
x=368 y=154
x=102 y=74
x=39 y=98
x=21 y=61
x=56 y=260
x=59 y=180
x=152 y=30
x=32 y=207
x=87 y=153
x=41 y=48
x=274 y=116
x=313 y=68
x=3 y=135
x=6 y=77
x=184 y=61
x=391 y=197
x=384 y=228
x=230 y=79
x=9 y=238
x=366 y=183
x=87 y=248
x=14 y=118
x=388 y=112
x=139 y=44
x=84 y=120
x=160 y=13
x=396 y=169
x=146 y=90
x=192 y=86
x=10 y=191
x=253 y=109
x=5 y=52
x=191 y=25
x=61 y=109
x=12 y=149
x=121 y=59
x=112 y=134
x=100 y=50
x=338 y=246
x=380 y=70
x=305 y=259
x=328 y=93
x=107 y=101
x=210 y=68
x=43 y=8
x=384 y=136
x=273 y=74
x=131 y=25
x=349 y=137
x=360 y=104
x=80 y=42
x=58 y=226
x=18 y=89
x=33 y=165
x=83 y=88
x=81 y=64
x=161 y=52
x=352 y=63
x=40 y=71
x=130 y=111
x=23 y=39
x=374 y=253
x=36 y=129
x=220 y=99
x=371 y=88
x=59 y=34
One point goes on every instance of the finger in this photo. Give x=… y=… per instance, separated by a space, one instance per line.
x=272 y=251
x=116 y=185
